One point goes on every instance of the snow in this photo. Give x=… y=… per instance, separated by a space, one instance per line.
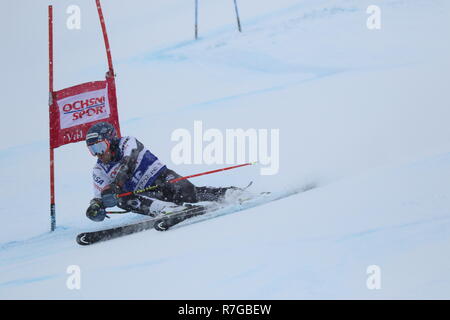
x=362 y=116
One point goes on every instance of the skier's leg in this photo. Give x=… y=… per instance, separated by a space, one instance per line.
x=185 y=191
x=136 y=204
x=178 y=192
x=151 y=206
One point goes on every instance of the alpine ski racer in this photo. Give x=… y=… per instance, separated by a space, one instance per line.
x=124 y=164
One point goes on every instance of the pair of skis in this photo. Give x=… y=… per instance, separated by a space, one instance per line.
x=158 y=223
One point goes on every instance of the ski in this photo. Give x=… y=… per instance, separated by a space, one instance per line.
x=87 y=238
x=161 y=223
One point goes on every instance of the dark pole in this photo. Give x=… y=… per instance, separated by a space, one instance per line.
x=196 y=19
x=237 y=16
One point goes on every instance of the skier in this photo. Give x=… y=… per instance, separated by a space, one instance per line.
x=124 y=165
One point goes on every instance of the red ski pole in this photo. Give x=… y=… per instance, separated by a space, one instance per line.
x=183 y=178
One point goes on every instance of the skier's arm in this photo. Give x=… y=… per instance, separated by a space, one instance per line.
x=131 y=149
x=96 y=209
x=100 y=181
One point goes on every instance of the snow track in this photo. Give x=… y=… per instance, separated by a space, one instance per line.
x=363 y=114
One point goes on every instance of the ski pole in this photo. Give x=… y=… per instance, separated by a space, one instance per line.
x=183 y=178
x=117 y=212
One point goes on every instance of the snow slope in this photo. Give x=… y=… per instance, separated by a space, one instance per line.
x=362 y=115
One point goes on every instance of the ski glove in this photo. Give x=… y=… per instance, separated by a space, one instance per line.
x=95 y=211
x=109 y=198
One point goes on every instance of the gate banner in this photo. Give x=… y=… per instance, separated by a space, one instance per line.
x=75 y=109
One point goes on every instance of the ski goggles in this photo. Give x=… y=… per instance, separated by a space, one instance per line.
x=99 y=147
